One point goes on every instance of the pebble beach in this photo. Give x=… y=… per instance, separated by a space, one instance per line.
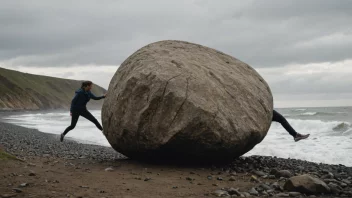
x=77 y=163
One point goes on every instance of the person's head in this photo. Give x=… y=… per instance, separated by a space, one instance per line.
x=87 y=85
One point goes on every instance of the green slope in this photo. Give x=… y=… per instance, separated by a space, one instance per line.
x=19 y=91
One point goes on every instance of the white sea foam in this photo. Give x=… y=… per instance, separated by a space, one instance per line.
x=324 y=145
x=56 y=123
x=309 y=113
x=299 y=109
x=312 y=113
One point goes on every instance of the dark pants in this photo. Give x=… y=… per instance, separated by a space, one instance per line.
x=277 y=117
x=84 y=113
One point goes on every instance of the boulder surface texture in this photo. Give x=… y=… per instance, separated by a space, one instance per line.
x=174 y=99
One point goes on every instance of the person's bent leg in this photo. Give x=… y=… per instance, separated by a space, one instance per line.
x=277 y=117
x=74 y=120
x=86 y=114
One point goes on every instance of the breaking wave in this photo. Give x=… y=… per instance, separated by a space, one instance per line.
x=299 y=109
x=322 y=113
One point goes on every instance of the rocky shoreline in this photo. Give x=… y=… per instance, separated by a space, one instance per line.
x=24 y=142
x=268 y=176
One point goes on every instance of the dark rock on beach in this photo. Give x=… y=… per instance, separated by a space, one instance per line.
x=306 y=184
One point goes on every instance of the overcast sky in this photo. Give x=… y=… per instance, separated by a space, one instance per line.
x=302 y=48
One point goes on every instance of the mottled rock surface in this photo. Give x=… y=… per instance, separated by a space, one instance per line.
x=184 y=100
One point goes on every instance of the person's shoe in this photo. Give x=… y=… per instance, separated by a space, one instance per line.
x=62 y=137
x=300 y=137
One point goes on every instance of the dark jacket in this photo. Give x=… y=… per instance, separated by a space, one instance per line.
x=81 y=99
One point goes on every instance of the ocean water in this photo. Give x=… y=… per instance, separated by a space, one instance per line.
x=330 y=128
x=57 y=121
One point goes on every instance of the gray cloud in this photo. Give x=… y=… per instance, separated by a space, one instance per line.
x=321 y=83
x=62 y=38
x=261 y=33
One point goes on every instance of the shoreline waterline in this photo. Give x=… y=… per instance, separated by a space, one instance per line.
x=329 y=141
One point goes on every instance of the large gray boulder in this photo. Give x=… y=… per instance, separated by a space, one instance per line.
x=306 y=184
x=174 y=99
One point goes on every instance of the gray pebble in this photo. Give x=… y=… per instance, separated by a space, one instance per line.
x=24 y=185
x=232 y=178
x=220 y=193
x=265 y=187
x=246 y=194
x=259 y=173
x=147 y=179
x=32 y=173
x=294 y=194
x=252 y=191
x=282 y=195
x=17 y=190
x=233 y=191
x=109 y=169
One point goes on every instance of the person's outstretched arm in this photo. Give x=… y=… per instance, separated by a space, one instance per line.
x=92 y=96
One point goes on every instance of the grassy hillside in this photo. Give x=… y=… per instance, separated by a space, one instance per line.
x=19 y=91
